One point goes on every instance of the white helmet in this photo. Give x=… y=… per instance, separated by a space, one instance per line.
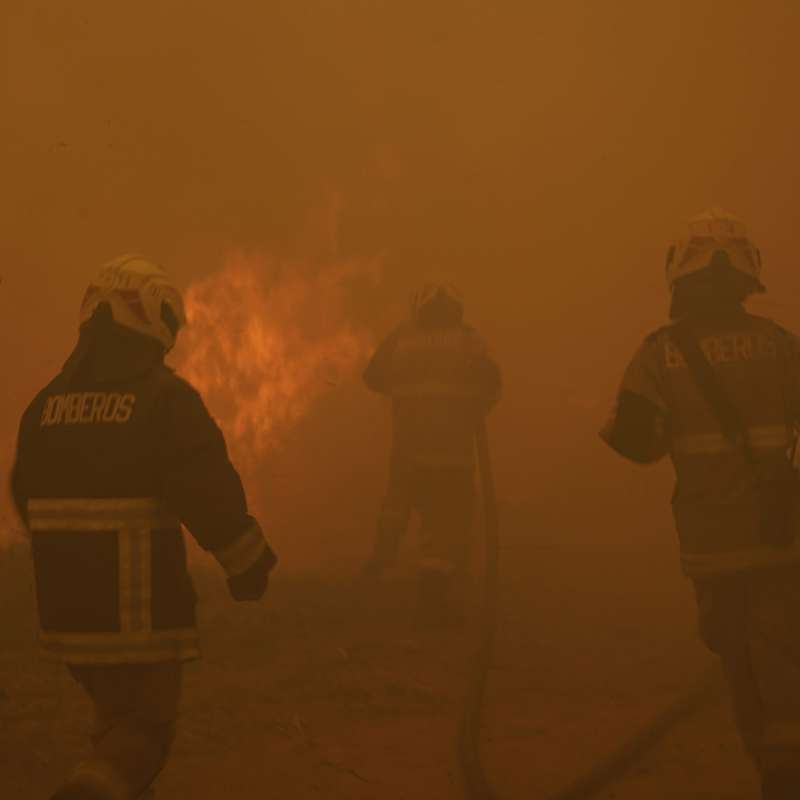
x=430 y=291
x=140 y=296
x=710 y=232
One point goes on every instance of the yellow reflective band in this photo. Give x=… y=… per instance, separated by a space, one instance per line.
x=440 y=565
x=435 y=389
x=107 y=640
x=143 y=583
x=243 y=552
x=436 y=460
x=135 y=589
x=125 y=568
x=181 y=644
x=102 y=659
x=98 y=514
x=180 y=652
x=764 y=438
x=737 y=561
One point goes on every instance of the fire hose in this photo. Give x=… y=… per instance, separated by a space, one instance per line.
x=475 y=782
x=617 y=763
x=476 y=785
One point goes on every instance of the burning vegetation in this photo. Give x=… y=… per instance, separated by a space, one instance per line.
x=265 y=341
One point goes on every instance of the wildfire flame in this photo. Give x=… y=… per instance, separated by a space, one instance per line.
x=265 y=340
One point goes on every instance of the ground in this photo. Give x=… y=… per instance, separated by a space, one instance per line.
x=329 y=689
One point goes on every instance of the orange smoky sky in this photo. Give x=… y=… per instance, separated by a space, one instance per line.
x=542 y=154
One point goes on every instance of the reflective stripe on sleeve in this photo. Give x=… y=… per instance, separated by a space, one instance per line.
x=237 y=557
x=98 y=514
x=765 y=438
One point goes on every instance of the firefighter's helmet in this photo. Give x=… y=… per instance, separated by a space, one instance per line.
x=436 y=291
x=141 y=297
x=709 y=233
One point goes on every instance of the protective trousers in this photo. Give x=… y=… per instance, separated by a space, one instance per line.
x=135 y=711
x=752 y=622
x=443 y=497
x=393 y=519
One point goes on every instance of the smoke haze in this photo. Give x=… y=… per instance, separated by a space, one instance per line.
x=542 y=154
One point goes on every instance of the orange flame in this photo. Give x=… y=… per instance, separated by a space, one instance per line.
x=265 y=341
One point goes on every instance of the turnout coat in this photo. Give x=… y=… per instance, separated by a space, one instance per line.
x=114 y=456
x=441 y=380
x=718 y=500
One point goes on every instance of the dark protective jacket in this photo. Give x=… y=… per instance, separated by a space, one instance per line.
x=718 y=499
x=441 y=381
x=114 y=455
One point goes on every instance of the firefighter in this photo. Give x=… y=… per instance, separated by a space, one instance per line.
x=441 y=379
x=719 y=391
x=114 y=455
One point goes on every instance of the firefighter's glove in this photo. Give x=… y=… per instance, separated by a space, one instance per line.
x=252 y=584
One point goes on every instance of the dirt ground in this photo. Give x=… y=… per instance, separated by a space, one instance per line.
x=700 y=759
x=329 y=689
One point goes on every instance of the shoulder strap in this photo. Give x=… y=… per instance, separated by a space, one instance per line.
x=707 y=382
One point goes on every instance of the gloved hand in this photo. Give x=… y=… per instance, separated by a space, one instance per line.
x=252 y=584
